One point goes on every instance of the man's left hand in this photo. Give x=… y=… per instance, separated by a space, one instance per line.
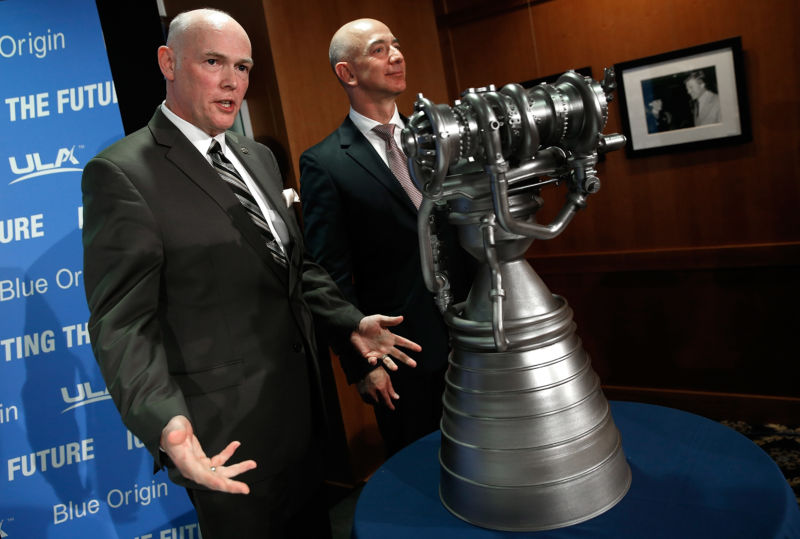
x=375 y=342
x=178 y=440
x=376 y=387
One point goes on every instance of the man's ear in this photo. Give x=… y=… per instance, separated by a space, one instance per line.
x=345 y=74
x=166 y=62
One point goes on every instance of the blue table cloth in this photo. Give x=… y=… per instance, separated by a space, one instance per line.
x=692 y=477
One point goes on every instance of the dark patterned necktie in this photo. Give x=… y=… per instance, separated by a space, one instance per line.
x=398 y=163
x=232 y=179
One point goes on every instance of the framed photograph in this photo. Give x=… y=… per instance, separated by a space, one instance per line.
x=686 y=99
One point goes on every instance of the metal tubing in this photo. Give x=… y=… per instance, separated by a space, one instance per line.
x=528 y=442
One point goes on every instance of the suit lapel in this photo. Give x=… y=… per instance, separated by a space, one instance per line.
x=195 y=167
x=361 y=151
x=186 y=157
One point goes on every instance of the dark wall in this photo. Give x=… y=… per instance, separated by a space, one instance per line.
x=132 y=38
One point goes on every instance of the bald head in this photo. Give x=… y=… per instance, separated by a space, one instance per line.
x=347 y=41
x=185 y=25
x=366 y=58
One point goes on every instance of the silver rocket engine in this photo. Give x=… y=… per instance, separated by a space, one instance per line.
x=528 y=441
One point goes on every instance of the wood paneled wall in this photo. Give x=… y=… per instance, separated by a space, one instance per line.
x=683 y=270
x=741 y=195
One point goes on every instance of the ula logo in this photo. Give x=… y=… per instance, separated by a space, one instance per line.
x=85 y=396
x=34 y=167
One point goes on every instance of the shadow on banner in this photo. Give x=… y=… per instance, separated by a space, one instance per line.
x=70 y=468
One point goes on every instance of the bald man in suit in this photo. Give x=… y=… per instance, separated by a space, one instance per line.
x=353 y=201
x=203 y=301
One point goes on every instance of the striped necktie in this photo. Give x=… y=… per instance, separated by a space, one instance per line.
x=398 y=163
x=232 y=179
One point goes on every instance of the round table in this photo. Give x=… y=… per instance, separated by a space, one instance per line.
x=692 y=477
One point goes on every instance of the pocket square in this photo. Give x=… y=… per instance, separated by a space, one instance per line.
x=290 y=196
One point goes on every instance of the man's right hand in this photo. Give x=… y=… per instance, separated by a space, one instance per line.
x=377 y=386
x=179 y=442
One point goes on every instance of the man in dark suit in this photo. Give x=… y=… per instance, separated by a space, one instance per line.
x=202 y=300
x=353 y=203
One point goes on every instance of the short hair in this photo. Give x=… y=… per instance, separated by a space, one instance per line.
x=335 y=54
x=697 y=76
x=341 y=48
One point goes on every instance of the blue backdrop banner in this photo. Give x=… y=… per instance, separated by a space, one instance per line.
x=70 y=468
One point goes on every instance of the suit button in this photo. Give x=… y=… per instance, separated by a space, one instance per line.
x=297 y=347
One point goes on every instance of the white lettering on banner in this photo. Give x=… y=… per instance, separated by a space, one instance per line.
x=37 y=46
x=134 y=442
x=29 y=345
x=68 y=279
x=54 y=457
x=22 y=288
x=75 y=99
x=70 y=511
x=100 y=93
x=184 y=532
x=43 y=342
x=116 y=498
x=3 y=534
x=28 y=106
x=8 y=414
x=33 y=161
x=76 y=334
x=85 y=396
x=80 y=217
x=34 y=166
x=22 y=228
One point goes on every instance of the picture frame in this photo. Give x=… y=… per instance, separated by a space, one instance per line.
x=690 y=98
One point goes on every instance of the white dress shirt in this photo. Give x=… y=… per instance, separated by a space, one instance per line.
x=365 y=125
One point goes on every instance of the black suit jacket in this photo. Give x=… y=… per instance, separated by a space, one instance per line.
x=361 y=226
x=189 y=313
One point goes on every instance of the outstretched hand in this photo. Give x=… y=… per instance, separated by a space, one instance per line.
x=375 y=342
x=377 y=387
x=180 y=443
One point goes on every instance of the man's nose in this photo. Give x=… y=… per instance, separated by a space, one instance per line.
x=395 y=56
x=229 y=78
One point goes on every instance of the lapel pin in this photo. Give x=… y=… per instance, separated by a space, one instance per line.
x=244 y=150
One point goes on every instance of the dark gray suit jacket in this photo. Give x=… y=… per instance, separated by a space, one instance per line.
x=189 y=313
